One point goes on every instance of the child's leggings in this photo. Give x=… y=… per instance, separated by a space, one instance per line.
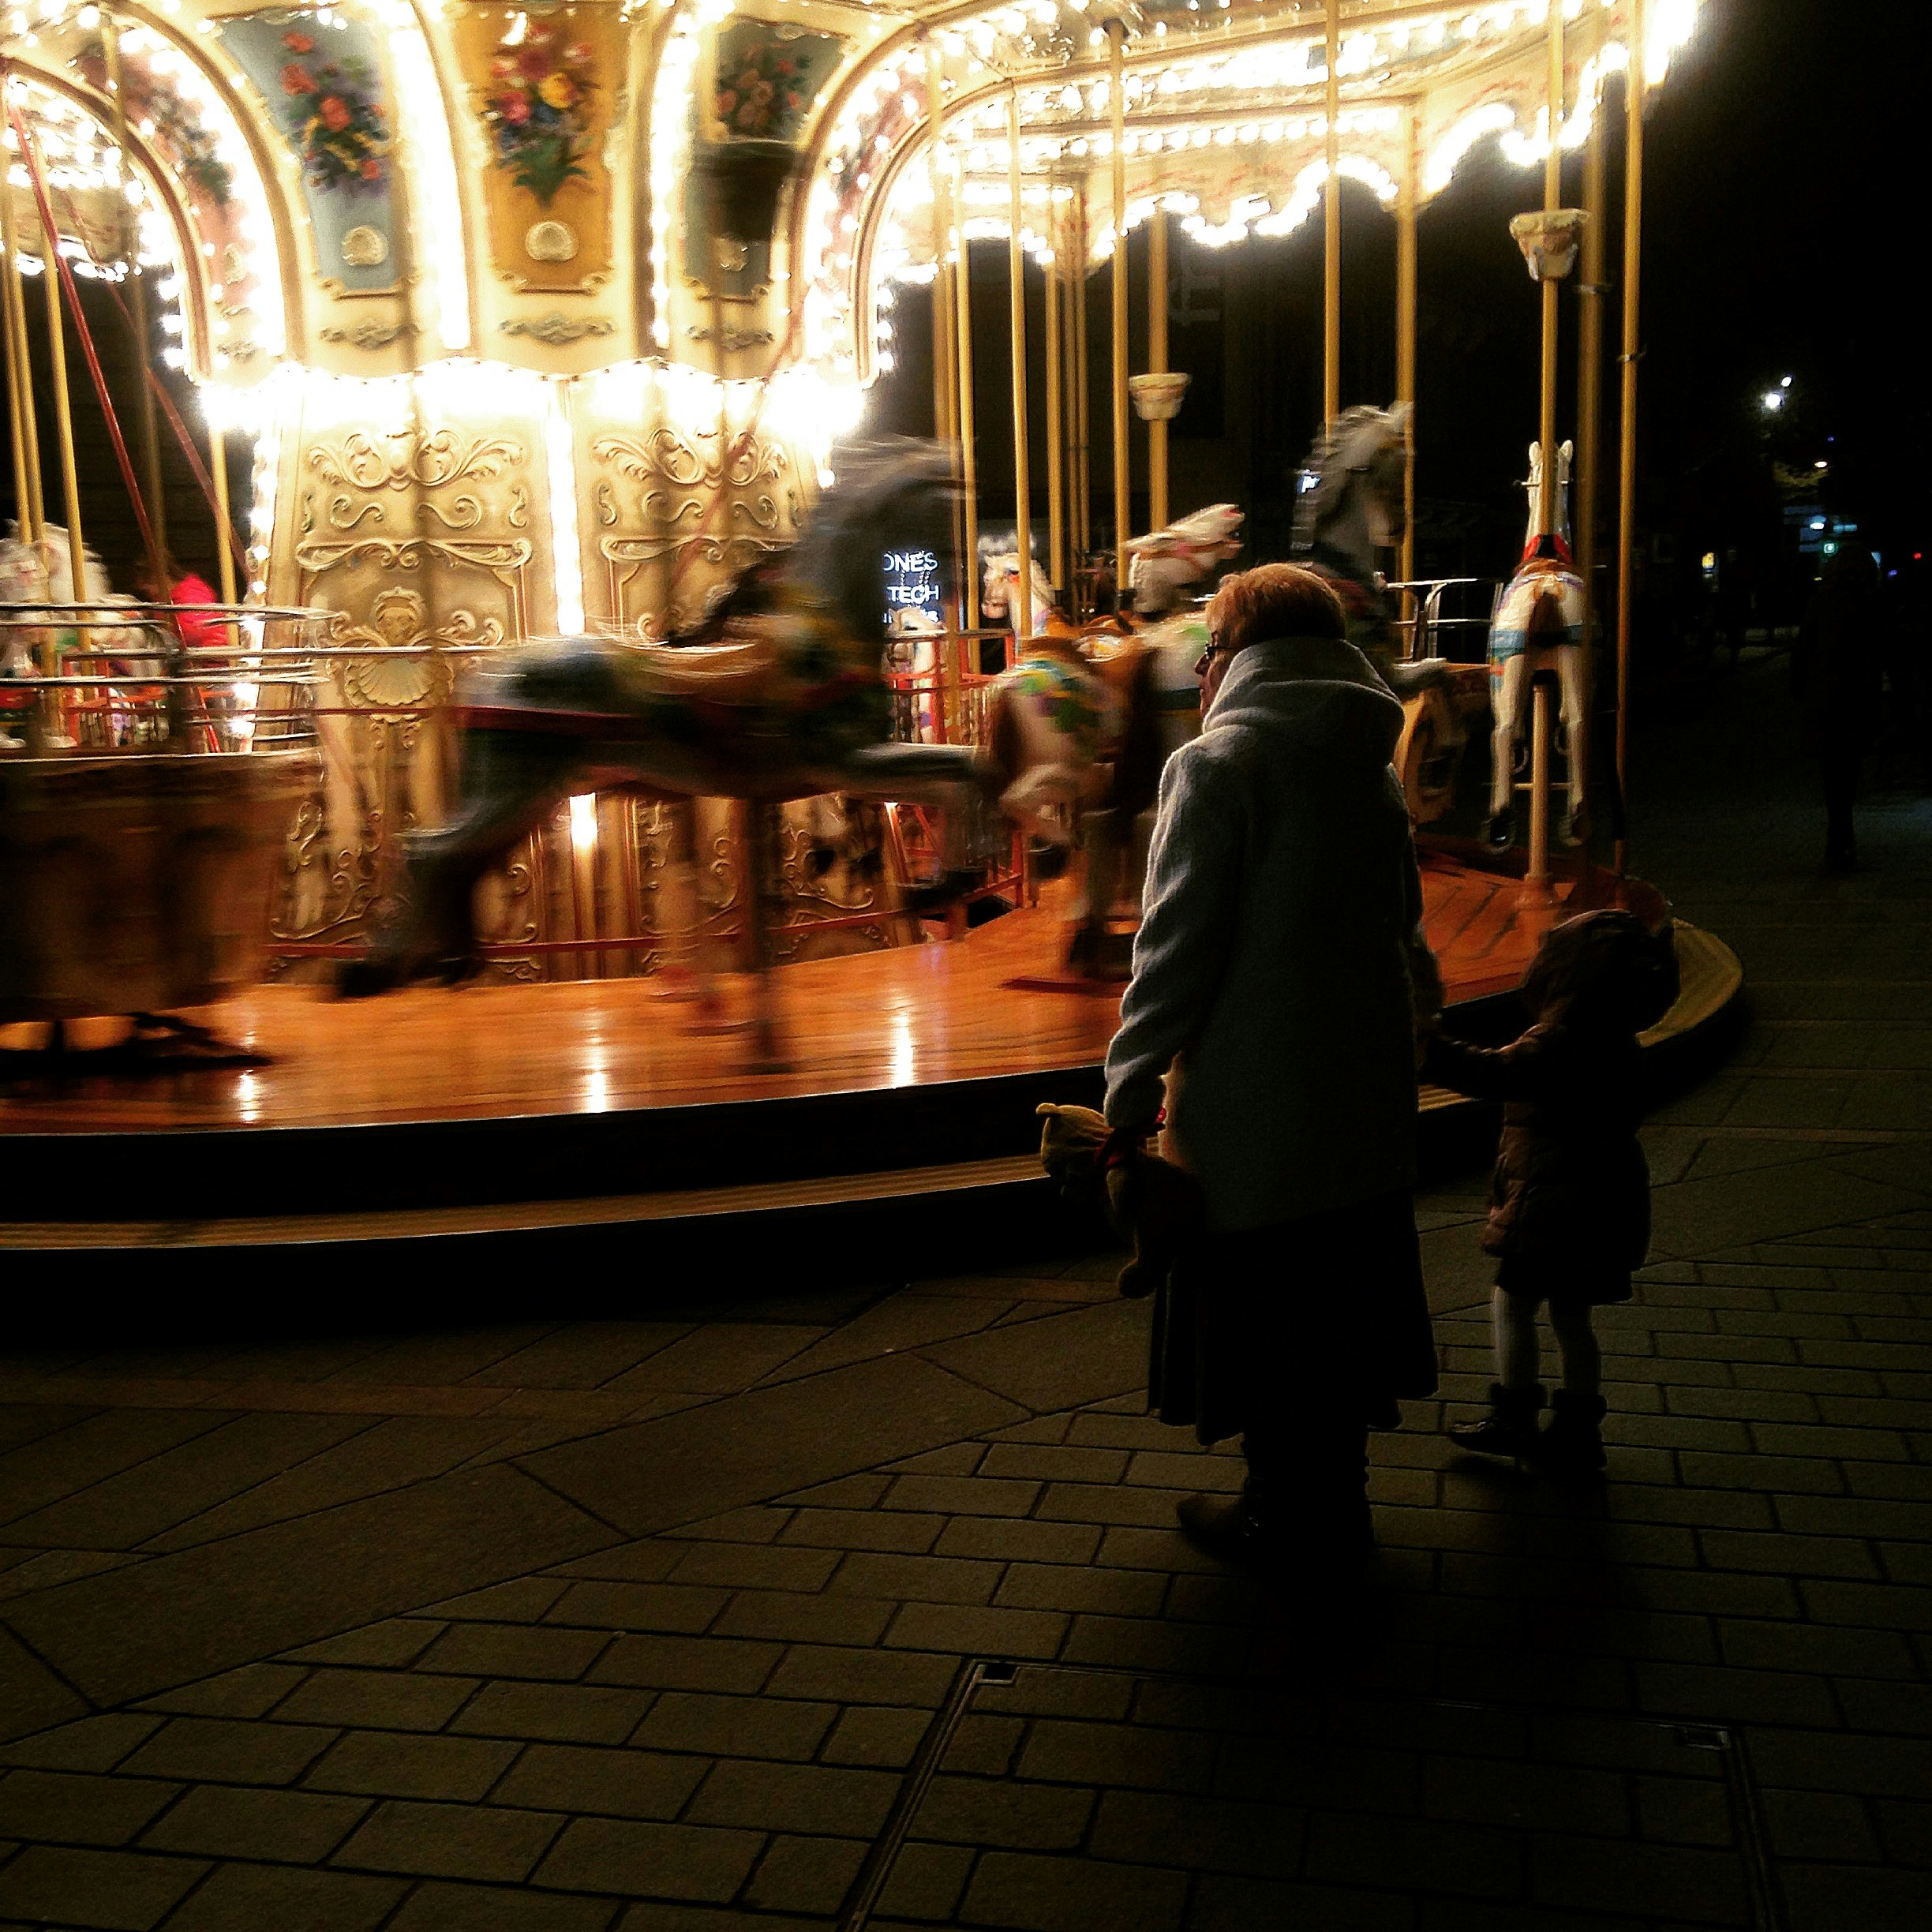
x=1518 y=1352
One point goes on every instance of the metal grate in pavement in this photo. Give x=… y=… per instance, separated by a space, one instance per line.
x=1050 y=1798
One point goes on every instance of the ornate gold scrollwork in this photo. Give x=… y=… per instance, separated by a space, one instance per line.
x=400 y=459
x=467 y=513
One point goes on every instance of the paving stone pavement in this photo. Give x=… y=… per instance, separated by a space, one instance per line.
x=565 y=1627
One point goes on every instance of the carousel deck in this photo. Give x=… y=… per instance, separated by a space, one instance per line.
x=913 y=1072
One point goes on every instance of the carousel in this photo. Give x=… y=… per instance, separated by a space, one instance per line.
x=738 y=814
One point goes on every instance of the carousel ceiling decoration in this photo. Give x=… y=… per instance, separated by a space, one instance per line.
x=1224 y=125
x=370 y=187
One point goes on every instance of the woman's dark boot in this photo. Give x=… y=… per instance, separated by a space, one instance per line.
x=1510 y=1428
x=1232 y=1529
x=1573 y=1443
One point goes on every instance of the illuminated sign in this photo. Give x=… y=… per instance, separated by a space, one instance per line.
x=912 y=582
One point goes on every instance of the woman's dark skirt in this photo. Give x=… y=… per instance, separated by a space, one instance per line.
x=1331 y=1301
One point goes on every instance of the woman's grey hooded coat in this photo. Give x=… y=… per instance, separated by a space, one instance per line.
x=1280 y=965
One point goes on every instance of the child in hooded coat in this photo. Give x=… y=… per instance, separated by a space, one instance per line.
x=1570 y=1214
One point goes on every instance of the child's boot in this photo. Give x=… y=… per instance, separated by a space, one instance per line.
x=1510 y=1428
x=1573 y=1443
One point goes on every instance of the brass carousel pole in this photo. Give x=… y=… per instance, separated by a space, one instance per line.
x=969 y=460
x=18 y=377
x=1056 y=416
x=1016 y=280
x=1123 y=459
x=224 y=546
x=1626 y=457
x=946 y=361
x=129 y=236
x=1406 y=333
x=33 y=508
x=1082 y=465
x=1331 y=230
x=1589 y=357
x=1537 y=876
x=63 y=412
x=1157 y=363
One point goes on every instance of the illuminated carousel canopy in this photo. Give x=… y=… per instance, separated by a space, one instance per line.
x=1225 y=126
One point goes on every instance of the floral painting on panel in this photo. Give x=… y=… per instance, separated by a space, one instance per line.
x=319 y=76
x=546 y=84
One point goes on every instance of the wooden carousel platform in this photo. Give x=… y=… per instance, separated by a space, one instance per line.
x=595 y=1113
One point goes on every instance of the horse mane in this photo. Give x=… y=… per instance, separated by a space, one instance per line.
x=1344 y=446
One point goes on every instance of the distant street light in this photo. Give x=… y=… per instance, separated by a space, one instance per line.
x=1773 y=400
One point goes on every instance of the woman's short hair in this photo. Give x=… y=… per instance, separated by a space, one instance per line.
x=1275 y=601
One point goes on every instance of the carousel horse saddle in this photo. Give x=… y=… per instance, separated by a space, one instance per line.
x=790 y=667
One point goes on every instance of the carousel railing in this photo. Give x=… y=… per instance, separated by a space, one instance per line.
x=82 y=684
x=946 y=704
x=1427 y=632
x=148 y=786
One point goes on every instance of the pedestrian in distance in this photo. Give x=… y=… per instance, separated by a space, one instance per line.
x=1570 y=1214
x=1838 y=679
x=1278 y=976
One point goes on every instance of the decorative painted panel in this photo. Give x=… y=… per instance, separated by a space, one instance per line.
x=545 y=85
x=319 y=79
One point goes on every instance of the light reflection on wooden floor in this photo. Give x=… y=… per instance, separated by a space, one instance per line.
x=914 y=1015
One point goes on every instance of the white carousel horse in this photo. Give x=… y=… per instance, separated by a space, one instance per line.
x=1163 y=571
x=1540 y=625
x=912 y=640
x=999 y=585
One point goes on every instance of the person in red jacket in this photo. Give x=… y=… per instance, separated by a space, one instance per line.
x=176 y=585
x=1569 y=1213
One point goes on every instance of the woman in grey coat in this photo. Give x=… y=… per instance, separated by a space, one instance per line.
x=1278 y=979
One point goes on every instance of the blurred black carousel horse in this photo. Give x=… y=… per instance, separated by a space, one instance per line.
x=777 y=693
x=1349 y=509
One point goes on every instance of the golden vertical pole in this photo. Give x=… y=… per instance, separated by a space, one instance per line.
x=1056 y=427
x=147 y=435
x=1538 y=875
x=1123 y=457
x=1157 y=362
x=945 y=405
x=33 y=508
x=1022 y=612
x=1589 y=358
x=224 y=546
x=1627 y=452
x=1331 y=229
x=1406 y=331
x=1552 y=200
x=1082 y=376
x=969 y=460
x=945 y=360
x=63 y=411
x=18 y=377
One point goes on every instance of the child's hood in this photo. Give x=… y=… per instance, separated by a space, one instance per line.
x=1604 y=970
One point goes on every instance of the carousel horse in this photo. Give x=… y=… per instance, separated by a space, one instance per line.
x=41 y=575
x=1351 y=506
x=1539 y=625
x=777 y=693
x=1163 y=571
x=912 y=641
x=1082 y=725
x=999 y=588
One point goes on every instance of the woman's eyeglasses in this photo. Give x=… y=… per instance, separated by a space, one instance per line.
x=1215 y=649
